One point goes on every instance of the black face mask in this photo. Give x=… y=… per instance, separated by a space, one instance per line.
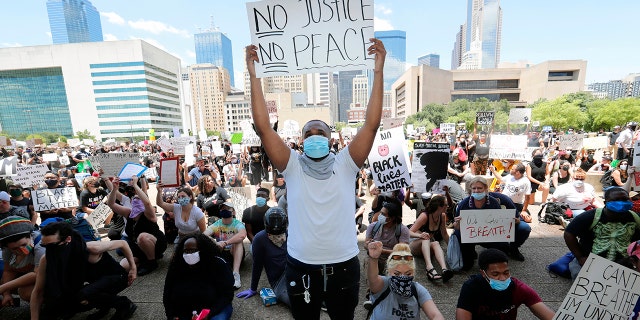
x=51 y=182
x=537 y=159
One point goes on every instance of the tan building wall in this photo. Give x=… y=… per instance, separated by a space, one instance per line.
x=209 y=88
x=418 y=86
x=287 y=109
x=536 y=83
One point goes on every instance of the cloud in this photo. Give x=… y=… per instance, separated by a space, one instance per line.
x=110 y=37
x=113 y=17
x=10 y=45
x=380 y=24
x=157 y=27
x=49 y=34
x=191 y=54
x=380 y=8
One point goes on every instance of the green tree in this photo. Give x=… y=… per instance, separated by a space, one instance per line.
x=560 y=113
x=618 y=112
x=84 y=135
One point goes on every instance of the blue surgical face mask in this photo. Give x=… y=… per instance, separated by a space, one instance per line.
x=261 y=202
x=183 y=201
x=619 y=206
x=498 y=285
x=316 y=147
x=479 y=195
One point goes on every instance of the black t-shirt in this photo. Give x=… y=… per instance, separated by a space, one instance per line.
x=580 y=226
x=204 y=201
x=92 y=200
x=254 y=216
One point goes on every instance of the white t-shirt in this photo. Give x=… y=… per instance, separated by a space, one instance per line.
x=321 y=212
x=191 y=225
x=576 y=200
x=516 y=189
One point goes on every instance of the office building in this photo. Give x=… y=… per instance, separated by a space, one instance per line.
x=237 y=108
x=209 y=88
x=484 y=25
x=616 y=89
x=432 y=60
x=345 y=92
x=73 y=21
x=421 y=85
x=113 y=89
x=214 y=47
x=395 y=42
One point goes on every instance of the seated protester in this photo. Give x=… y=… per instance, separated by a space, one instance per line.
x=52 y=180
x=620 y=174
x=269 y=252
x=7 y=210
x=91 y=196
x=21 y=255
x=188 y=218
x=494 y=294
x=397 y=290
x=428 y=230
x=229 y=232
x=578 y=195
x=61 y=288
x=233 y=174
x=143 y=234
x=605 y=232
x=415 y=201
x=395 y=196
x=253 y=217
x=586 y=159
x=518 y=187
x=19 y=200
x=279 y=188
x=481 y=199
x=561 y=176
x=211 y=196
x=73 y=183
x=200 y=169
x=388 y=229
x=603 y=166
x=457 y=169
x=198 y=279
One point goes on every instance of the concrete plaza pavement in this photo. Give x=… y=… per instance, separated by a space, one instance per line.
x=544 y=246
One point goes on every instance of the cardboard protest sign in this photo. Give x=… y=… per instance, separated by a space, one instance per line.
x=272 y=107
x=64 y=160
x=387 y=161
x=602 y=290
x=447 y=128
x=430 y=161
x=520 y=116
x=99 y=215
x=131 y=169
x=487 y=225
x=112 y=163
x=241 y=199
x=165 y=144
x=291 y=129
x=601 y=142
x=573 y=141
x=179 y=143
x=50 y=157
x=73 y=142
x=8 y=166
x=48 y=199
x=249 y=136
x=390 y=123
x=485 y=118
x=295 y=37
x=189 y=154
x=28 y=176
x=509 y=147
x=170 y=172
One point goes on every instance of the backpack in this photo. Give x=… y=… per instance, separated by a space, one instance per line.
x=612 y=238
x=607 y=179
x=384 y=295
x=81 y=226
x=561 y=266
x=454 y=254
x=377 y=226
x=554 y=212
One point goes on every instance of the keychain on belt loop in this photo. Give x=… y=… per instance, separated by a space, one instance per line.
x=306 y=283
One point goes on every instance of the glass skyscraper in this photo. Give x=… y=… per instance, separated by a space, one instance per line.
x=345 y=92
x=395 y=41
x=484 y=26
x=34 y=100
x=73 y=21
x=431 y=59
x=214 y=47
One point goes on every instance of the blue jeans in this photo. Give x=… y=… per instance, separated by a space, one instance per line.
x=224 y=314
x=336 y=284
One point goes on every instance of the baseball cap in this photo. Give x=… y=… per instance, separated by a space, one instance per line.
x=426 y=195
x=634 y=249
x=4 y=196
x=228 y=204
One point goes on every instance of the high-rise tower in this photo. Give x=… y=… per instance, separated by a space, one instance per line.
x=484 y=26
x=395 y=42
x=214 y=47
x=73 y=21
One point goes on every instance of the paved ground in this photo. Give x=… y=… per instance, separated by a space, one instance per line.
x=544 y=246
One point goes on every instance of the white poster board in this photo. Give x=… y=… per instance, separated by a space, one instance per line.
x=179 y=143
x=165 y=144
x=447 y=128
x=50 y=157
x=296 y=37
x=131 y=169
x=291 y=129
x=28 y=176
x=387 y=161
x=509 y=147
x=112 y=163
x=595 y=143
x=572 y=141
x=49 y=199
x=99 y=215
x=241 y=199
x=602 y=290
x=488 y=225
x=520 y=116
x=430 y=162
x=249 y=136
x=170 y=172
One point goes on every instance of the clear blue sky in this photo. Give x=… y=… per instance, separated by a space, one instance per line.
x=603 y=33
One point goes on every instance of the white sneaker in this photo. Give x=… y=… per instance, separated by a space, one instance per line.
x=236 y=283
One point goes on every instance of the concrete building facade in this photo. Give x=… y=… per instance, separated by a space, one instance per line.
x=210 y=85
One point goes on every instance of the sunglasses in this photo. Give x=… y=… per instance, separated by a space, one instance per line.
x=581 y=179
x=52 y=244
x=402 y=257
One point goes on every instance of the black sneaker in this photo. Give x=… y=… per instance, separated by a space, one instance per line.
x=98 y=314
x=515 y=254
x=124 y=309
x=147 y=268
